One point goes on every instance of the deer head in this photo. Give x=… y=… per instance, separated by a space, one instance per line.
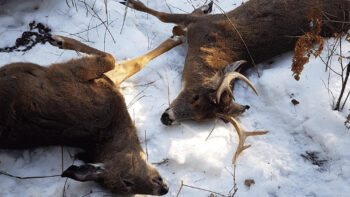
x=135 y=176
x=201 y=102
x=125 y=173
x=122 y=168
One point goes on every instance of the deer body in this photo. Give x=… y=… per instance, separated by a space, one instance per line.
x=75 y=104
x=255 y=31
x=51 y=98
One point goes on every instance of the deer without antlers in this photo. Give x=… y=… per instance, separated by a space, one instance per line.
x=218 y=45
x=75 y=104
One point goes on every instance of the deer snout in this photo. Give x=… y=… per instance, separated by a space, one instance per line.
x=163 y=187
x=244 y=108
x=168 y=117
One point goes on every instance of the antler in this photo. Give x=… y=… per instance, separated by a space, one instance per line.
x=225 y=85
x=241 y=134
x=230 y=75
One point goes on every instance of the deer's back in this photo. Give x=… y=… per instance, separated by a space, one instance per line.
x=47 y=106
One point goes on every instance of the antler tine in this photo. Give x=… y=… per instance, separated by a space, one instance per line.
x=242 y=135
x=225 y=85
x=229 y=76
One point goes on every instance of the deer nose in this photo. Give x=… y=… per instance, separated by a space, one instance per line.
x=166 y=119
x=164 y=190
x=163 y=186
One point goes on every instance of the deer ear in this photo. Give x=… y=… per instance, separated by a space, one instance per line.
x=216 y=81
x=234 y=66
x=86 y=172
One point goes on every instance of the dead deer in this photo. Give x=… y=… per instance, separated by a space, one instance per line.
x=75 y=104
x=219 y=44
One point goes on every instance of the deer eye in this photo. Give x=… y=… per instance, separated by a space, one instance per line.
x=195 y=98
x=128 y=183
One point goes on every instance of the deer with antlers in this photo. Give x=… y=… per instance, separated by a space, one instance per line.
x=219 y=44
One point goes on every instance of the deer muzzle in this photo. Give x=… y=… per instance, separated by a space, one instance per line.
x=168 y=117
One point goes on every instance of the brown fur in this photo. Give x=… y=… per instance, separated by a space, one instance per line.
x=75 y=104
x=267 y=27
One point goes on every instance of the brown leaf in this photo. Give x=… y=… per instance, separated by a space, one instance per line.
x=249 y=182
x=295 y=102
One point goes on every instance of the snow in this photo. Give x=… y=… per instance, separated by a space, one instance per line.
x=274 y=161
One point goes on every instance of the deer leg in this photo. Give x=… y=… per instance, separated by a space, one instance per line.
x=70 y=44
x=88 y=67
x=180 y=19
x=126 y=69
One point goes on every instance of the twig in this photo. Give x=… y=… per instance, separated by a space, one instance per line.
x=329 y=92
x=347 y=96
x=64 y=188
x=146 y=144
x=335 y=21
x=211 y=130
x=87 y=12
x=191 y=4
x=139 y=85
x=29 y=177
x=99 y=18
x=337 y=107
x=76 y=7
x=198 y=188
x=62 y=164
x=67 y=4
x=344 y=80
x=202 y=189
x=179 y=9
x=133 y=101
x=126 y=11
x=166 y=160
x=147 y=13
x=178 y=193
x=65 y=182
x=94 y=27
x=166 y=3
x=167 y=80
x=234 y=181
x=330 y=54
x=240 y=36
x=104 y=37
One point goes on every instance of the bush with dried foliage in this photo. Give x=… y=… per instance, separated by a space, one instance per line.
x=305 y=44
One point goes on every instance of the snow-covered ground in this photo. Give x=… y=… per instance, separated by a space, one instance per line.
x=274 y=161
